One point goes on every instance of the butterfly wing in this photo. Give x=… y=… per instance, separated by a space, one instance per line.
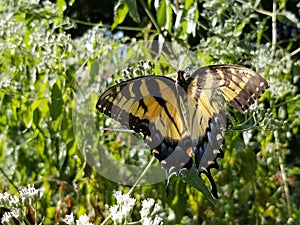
x=151 y=106
x=206 y=122
x=239 y=85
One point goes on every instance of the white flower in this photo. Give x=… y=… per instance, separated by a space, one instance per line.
x=121 y=199
x=16 y=213
x=83 y=220
x=116 y=215
x=114 y=209
x=69 y=219
x=149 y=205
x=27 y=194
x=4 y=198
x=156 y=209
x=148 y=221
x=123 y=208
x=124 y=199
x=14 y=200
x=33 y=2
x=6 y=217
x=28 y=191
x=146 y=206
x=157 y=220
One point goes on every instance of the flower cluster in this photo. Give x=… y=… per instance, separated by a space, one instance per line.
x=123 y=208
x=121 y=211
x=15 y=204
x=11 y=203
x=148 y=217
x=8 y=216
x=28 y=193
x=5 y=199
x=83 y=220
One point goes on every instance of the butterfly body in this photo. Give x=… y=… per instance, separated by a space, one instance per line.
x=183 y=119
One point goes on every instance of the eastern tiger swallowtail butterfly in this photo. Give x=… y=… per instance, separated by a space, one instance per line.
x=184 y=119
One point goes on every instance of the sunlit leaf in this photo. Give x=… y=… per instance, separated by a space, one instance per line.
x=161 y=13
x=121 y=13
x=239 y=28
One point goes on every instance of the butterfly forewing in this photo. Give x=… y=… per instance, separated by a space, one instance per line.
x=150 y=105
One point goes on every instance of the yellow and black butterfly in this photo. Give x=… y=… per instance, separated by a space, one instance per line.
x=184 y=119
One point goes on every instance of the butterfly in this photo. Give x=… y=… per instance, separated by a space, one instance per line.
x=183 y=121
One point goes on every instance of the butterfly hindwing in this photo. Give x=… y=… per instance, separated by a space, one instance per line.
x=206 y=122
x=206 y=118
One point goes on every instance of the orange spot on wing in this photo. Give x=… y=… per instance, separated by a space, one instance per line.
x=189 y=151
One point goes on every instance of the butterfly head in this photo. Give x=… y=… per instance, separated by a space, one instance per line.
x=181 y=79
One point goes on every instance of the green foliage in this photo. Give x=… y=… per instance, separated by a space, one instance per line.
x=43 y=80
x=121 y=13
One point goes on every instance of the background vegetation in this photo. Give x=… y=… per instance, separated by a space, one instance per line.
x=41 y=67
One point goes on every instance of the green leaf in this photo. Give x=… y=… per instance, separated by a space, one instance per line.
x=248 y=164
x=133 y=12
x=170 y=18
x=61 y=4
x=239 y=28
x=56 y=106
x=27 y=115
x=121 y=13
x=288 y=18
x=37 y=117
x=3 y=141
x=161 y=14
x=294 y=170
x=188 y=4
x=40 y=147
x=192 y=177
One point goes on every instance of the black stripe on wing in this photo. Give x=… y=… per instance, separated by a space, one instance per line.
x=151 y=106
x=239 y=85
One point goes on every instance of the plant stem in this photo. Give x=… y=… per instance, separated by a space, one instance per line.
x=141 y=176
x=274 y=29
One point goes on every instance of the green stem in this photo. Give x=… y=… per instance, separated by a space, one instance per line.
x=9 y=180
x=141 y=176
x=145 y=6
x=106 y=219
